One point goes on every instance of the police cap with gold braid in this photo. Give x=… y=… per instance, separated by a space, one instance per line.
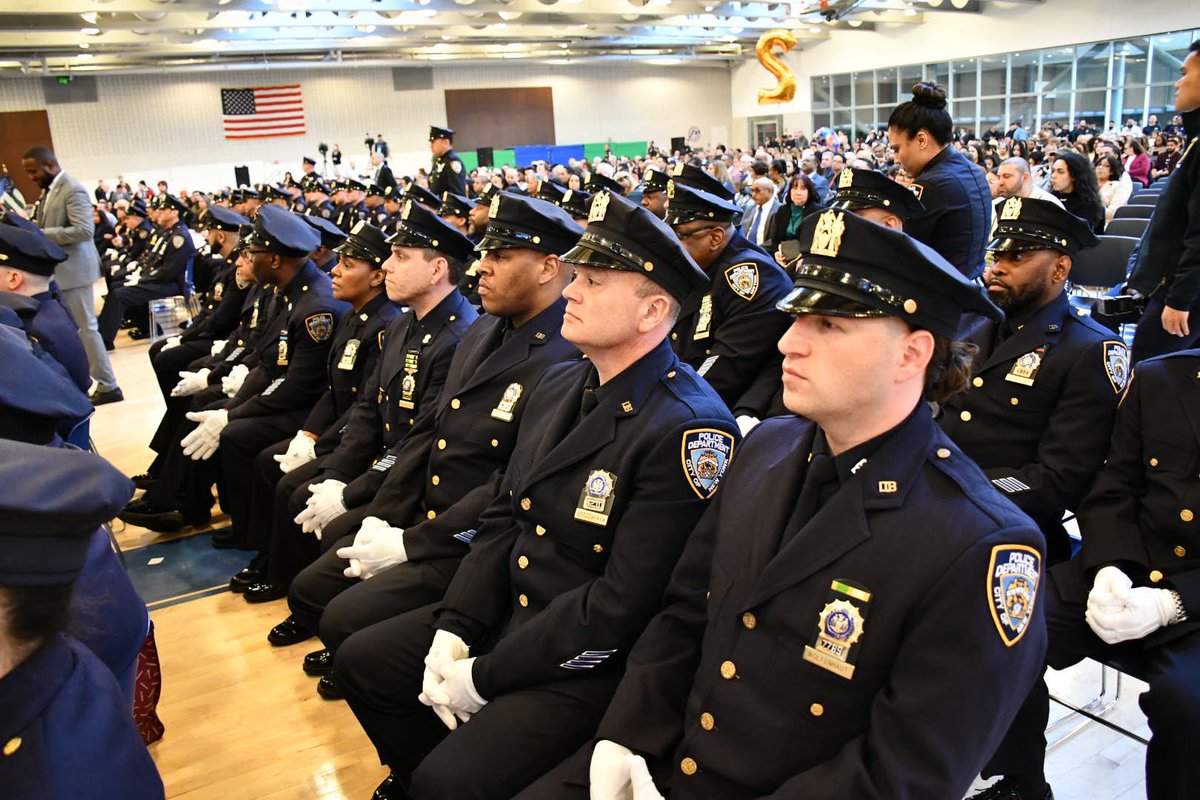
x=852 y=267
x=654 y=180
x=420 y=227
x=516 y=221
x=1026 y=223
x=627 y=237
x=697 y=178
x=866 y=188
x=365 y=243
x=595 y=182
x=687 y=204
x=417 y=192
x=280 y=231
x=455 y=205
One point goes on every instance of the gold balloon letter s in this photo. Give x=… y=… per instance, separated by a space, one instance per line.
x=785 y=87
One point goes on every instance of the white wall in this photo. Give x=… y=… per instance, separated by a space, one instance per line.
x=1003 y=27
x=168 y=126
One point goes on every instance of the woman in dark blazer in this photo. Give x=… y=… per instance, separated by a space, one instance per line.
x=800 y=200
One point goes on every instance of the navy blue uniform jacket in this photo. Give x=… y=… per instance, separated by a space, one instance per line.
x=958 y=210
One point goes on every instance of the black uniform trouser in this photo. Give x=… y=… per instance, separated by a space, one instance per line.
x=242 y=441
x=120 y=300
x=271 y=529
x=1150 y=339
x=168 y=364
x=170 y=429
x=511 y=742
x=1171 y=705
x=183 y=484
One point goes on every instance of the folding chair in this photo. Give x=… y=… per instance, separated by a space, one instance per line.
x=1131 y=210
x=1128 y=226
x=1100 y=268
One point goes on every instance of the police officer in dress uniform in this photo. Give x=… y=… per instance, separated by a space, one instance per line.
x=325 y=256
x=730 y=337
x=316 y=198
x=803 y=650
x=456 y=209
x=419 y=194
x=449 y=469
x=138 y=236
x=274 y=397
x=352 y=211
x=576 y=203
x=571 y=557
x=1045 y=382
x=478 y=219
x=448 y=173
x=67 y=730
x=357 y=343
x=654 y=191
x=39 y=404
x=1131 y=594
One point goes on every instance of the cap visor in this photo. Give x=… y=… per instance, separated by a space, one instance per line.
x=820 y=298
x=592 y=256
x=1012 y=244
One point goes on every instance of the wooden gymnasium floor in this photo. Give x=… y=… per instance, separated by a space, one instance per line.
x=243 y=722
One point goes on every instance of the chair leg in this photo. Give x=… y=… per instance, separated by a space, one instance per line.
x=1092 y=711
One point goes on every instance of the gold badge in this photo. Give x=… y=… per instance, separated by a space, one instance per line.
x=407 y=208
x=504 y=409
x=282 y=358
x=670 y=190
x=596 y=499
x=1025 y=369
x=845 y=178
x=840 y=626
x=599 y=207
x=177 y=241
x=358 y=227
x=495 y=206
x=1012 y=208
x=678 y=169
x=408 y=386
x=827 y=238
x=704 y=319
x=349 y=354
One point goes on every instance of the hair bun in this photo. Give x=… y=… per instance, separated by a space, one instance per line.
x=929 y=95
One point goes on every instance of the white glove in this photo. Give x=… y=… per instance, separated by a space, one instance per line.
x=114 y=268
x=232 y=382
x=324 y=504
x=172 y=341
x=376 y=545
x=133 y=278
x=456 y=692
x=609 y=772
x=643 y=784
x=131 y=266
x=747 y=423
x=1109 y=590
x=191 y=383
x=1145 y=611
x=217 y=347
x=201 y=443
x=446 y=648
x=301 y=450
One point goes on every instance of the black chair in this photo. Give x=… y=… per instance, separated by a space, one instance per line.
x=1100 y=268
x=1144 y=200
x=1129 y=226
x=1130 y=210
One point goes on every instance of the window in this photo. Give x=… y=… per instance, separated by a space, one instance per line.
x=1024 y=75
x=841 y=90
x=993 y=76
x=864 y=88
x=964 y=80
x=820 y=92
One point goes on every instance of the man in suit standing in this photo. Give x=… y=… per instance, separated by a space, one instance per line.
x=64 y=213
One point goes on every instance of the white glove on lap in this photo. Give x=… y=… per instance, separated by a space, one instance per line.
x=609 y=772
x=643 y=784
x=747 y=423
x=456 y=692
x=172 y=341
x=232 y=382
x=1109 y=589
x=201 y=443
x=446 y=648
x=1145 y=610
x=191 y=383
x=134 y=277
x=301 y=450
x=217 y=347
x=376 y=545
x=324 y=505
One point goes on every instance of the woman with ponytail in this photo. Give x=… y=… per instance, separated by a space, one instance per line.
x=953 y=190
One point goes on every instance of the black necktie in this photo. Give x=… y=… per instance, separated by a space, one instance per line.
x=586 y=403
x=820 y=481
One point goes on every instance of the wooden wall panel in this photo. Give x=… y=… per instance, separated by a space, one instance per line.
x=500 y=118
x=20 y=130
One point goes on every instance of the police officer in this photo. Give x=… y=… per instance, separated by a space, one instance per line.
x=955 y=193
x=352 y=211
x=276 y=195
x=316 y=198
x=576 y=203
x=38 y=402
x=456 y=209
x=448 y=173
x=595 y=183
x=357 y=343
x=392 y=201
x=419 y=194
x=729 y=338
x=67 y=727
x=654 y=191
x=447 y=471
x=138 y=235
x=374 y=205
x=325 y=256
x=1046 y=380
x=571 y=557
x=802 y=650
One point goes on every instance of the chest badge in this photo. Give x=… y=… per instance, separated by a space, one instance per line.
x=508 y=401
x=349 y=355
x=1013 y=576
x=704 y=319
x=281 y=359
x=408 y=385
x=596 y=499
x=840 y=628
x=218 y=290
x=706 y=454
x=1025 y=369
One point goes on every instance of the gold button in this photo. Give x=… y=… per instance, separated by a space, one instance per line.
x=943 y=452
x=728 y=670
x=526 y=504
x=387 y=426
x=523 y=600
x=411 y=421
x=965 y=416
x=671 y=374
x=495 y=442
x=435 y=480
x=455 y=403
x=1186 y=515
x=674 y=337
x=707 y=722
x=598 y=548
x=1014 y=401
x=749 y=622
x=430 y=514
x=1155 y=576
x=816 y=709
x=441 y=444
x=1154 y=462
x=1180 y=551
x=910 y=306
x=688 y=766
x=12 y=745
x=539 y=530
x=977 y=382
x=523 y=562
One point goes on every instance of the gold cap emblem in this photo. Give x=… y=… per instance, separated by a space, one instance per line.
x=827 y=238
x=407 y=208
x=678 y=169
x=599 y=207
x=670 y=190
x=845 y=178
x=1012 y=209
x=495 y=207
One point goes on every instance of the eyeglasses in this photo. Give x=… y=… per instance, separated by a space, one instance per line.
x=695 y=232
x=256 y=252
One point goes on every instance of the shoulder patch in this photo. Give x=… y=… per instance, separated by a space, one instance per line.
x=743 y=279
x=177 y=241
x=917 y=189
x=1013 y=575
x=1116 y=364
x=456 y=166
x=142 y=234
x=319 y=326
x=706 y=453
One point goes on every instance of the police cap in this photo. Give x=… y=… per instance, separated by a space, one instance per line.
x=1026 y=223
x=280 y=231
x=27 y=248
x=224 y=219
x=331 y=235
x=576 y=203
x=417 y=192
x=516 y=221
x=654 y=180
x=420 y=227
x=455 y=205
x=866 y=188
x=489 y=191
x=549 y=191
x=697 y=178
x=136 y=208
x=686 y=204
x=595 y=182
x=440 y=133
x=366 y=243
x=171 y=202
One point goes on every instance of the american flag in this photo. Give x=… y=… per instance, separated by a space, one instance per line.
x=263 y=111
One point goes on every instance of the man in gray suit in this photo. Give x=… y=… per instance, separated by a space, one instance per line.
x=64 y=213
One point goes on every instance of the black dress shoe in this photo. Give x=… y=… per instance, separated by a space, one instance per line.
x=144 y=480
x=288 y=632
x=390 y=789
x=254 y=573
x=102 y=396
x=159 y=520
x=264 y=592
x=327 y=687
x=138 y=334
x=1009 y=789
x=319 y=664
